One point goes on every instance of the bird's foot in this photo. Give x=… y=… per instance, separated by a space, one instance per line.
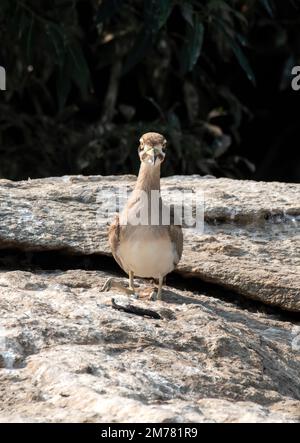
x=155 y=295
x=107 y=285
x=112 y=283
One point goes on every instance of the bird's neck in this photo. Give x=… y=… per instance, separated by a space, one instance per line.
x=148 y=178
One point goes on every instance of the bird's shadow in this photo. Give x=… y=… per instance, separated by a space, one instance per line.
x=172 y=297
x=169 y=296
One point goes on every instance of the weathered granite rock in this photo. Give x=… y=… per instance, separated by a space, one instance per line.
x=251 y=241
x=67 y=355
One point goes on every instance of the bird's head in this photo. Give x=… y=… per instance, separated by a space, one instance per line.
x=152 y=149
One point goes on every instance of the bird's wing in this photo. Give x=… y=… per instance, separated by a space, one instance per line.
x=175 y=233
x=176 y=236
x=114 y=239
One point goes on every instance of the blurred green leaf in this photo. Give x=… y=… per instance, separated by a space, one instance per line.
x=217 y=6
x=22 y=21
x=165 y=9
x=29 y=40
x=107 y=9
x=74 y=69
x=240 y=17
x=243 y=61
x=269 y=6
x=156 y=13
x=242 y=39
x=192 y=49
x=236 y=49
x=79 y=70
x=63 y=85
x=139 y=50
x=173 y=121
x=187 y=11
x=57 y=40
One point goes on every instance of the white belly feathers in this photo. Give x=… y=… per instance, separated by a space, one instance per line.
x=148 y=257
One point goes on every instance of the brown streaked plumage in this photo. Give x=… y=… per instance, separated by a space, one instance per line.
x=147 y=249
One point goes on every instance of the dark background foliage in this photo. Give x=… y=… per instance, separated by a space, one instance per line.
x=86 y=78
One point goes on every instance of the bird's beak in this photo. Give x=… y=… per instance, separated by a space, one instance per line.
x=152 y=156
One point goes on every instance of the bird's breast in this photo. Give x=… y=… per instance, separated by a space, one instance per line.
x=147 y=256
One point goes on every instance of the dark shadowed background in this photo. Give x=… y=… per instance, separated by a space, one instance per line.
x=86 y=78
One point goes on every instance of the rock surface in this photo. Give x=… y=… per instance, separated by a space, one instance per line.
x=250 y=244
x=67 y=355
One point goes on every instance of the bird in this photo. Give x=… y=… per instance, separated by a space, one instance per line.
x=151 y=248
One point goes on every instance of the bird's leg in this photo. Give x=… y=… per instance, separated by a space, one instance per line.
x=112 y=283
x=156 y=295
x=160 y=283
x=131 y=282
